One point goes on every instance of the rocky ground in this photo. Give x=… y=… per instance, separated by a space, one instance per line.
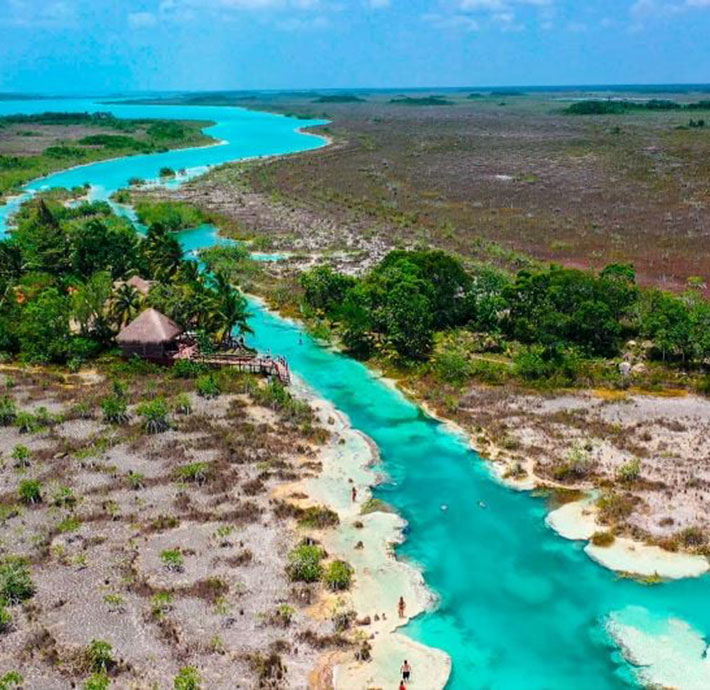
x=649 y=455
x=167 y=546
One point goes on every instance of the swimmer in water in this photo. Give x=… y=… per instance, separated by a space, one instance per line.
x=481 y=504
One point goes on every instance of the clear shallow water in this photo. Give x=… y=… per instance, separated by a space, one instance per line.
x=520 y=608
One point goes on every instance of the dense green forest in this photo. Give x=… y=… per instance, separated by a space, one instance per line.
x=62 y=292
x=553 y=319
x=123 y=138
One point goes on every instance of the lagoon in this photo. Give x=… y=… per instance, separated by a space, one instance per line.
x=519 y=607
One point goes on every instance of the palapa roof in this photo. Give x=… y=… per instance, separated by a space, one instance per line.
x=149 y=327
x=140 y=284
x=143 y=286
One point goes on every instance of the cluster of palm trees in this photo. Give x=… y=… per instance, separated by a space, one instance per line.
x=196 y=300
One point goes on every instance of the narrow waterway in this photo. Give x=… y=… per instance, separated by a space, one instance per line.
x=520 y=608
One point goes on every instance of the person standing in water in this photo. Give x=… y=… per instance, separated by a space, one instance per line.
x=401 y=606
x=406 y=671
x=354 y=494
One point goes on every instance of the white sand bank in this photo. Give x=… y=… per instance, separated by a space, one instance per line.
x=578 y=521
x=379 y=579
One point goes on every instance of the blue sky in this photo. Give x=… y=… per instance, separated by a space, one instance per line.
x=116 y=45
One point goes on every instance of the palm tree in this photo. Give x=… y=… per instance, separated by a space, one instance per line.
x=126 y=303
x=230 y=309
x=162 y=252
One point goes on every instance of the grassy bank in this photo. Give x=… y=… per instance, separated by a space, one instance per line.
x=33 y=146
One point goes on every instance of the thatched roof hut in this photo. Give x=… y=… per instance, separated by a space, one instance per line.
x=151 y=335
x=142 y=285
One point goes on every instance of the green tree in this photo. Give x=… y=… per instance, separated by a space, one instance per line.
x=90 y=306
x=125 y=304
x=44 y=327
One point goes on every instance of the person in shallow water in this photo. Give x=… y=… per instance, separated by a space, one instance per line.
x=354 y=494
x=401 y=606
x=402 y=686
x=406 y=671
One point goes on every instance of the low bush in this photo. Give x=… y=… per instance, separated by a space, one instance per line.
x=305 y=563
x=603 y=538
x=197 y=472
x=155 y=415
x=99 y=656
x=115 y=410
x=318 y=517
x=10 y=681
x=21 y=455
x=187 y=369
x=338 y=576
x=172 y=560
x=207 y=387
x=16 y=584
x=97 y=681
x=8 y=411
x=30 y=491
x=187 y=679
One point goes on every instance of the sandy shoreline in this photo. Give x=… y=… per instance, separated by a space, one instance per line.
x=579 y=520
x=379 y=577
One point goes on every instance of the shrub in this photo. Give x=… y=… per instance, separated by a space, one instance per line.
x=187 y=369
x=155 y=415
x=135 y=480
x=161 y=603
x=603 y=538
x=115 y=410
x=172 y=560
x=30 y=491
x=197 y=472
x=64 y=497
x=319 y=517
x=305 y=563
x=27 y=423
x=15 y=583
x=167 y=172
x=374 y=505
x=207 y=387
x=21 y=456
x=8 y=411
x=182 y=404
x=614 y=507
x=693 y=536
x=98 y=681
x=99 y=656
x=5 y=619
x=630 y=471
x=187 y=679
x=10 y=680
x=338 y=576
x=69 y=524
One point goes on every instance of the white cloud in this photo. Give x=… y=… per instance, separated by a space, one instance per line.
x=27 y=13
x=502 y=14
x=459 y=22
x=142 y=20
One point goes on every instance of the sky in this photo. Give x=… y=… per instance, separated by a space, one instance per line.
x=111 y=46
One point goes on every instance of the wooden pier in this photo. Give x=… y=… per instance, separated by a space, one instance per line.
x=268 y=366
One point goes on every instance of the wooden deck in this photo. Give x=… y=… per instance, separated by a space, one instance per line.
x=268 y=366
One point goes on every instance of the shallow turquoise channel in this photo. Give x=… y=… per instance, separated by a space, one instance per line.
x=519 y=607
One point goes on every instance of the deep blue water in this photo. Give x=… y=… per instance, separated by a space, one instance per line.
x=520 y=608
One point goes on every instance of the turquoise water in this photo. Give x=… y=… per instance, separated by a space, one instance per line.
x=520 y=608
x=247 y=135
